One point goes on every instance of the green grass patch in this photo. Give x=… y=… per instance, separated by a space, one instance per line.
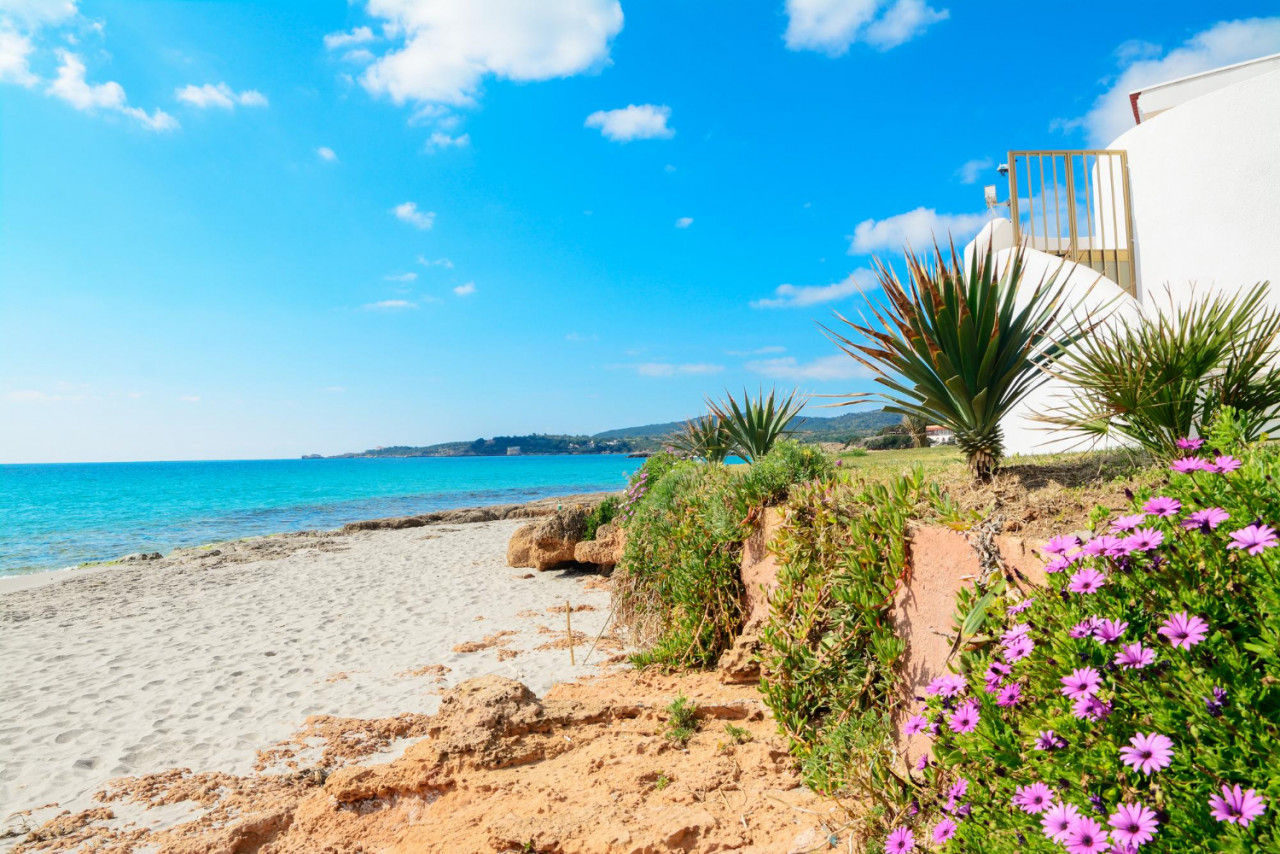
x=682 y=721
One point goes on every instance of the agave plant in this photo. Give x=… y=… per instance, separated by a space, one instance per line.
x=952 y=347
x=1164 y=376
x=756 y=423
x=705 y=438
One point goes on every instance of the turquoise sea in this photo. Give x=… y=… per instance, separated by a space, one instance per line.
x=59 y=515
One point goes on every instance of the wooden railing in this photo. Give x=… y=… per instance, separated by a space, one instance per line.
x=1075 y=204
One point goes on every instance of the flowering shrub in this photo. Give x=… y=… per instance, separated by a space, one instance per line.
x=1134 y=704
x=642 y=480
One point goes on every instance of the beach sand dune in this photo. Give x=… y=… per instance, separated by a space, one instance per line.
x=203 y=661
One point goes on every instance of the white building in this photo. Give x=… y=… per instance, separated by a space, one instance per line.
x=1188 y=199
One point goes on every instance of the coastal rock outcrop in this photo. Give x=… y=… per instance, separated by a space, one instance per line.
x=605 y=549
x=549 y=542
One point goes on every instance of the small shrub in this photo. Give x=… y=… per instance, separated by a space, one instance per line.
x=603 y=514
x=737 y=734
x=682 y=721
x=1139 y=695
x=888 y=442
x=662 y=781
x=642 y=479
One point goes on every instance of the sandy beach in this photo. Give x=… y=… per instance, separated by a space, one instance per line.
x=202 y=660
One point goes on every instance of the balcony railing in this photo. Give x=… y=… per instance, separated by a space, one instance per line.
x=1075 y=204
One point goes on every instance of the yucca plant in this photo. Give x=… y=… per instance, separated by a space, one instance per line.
x=952 y=347
x=704 y=438
x=1163 y=376
x=756 y=423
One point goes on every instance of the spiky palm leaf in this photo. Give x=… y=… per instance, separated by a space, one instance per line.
x=951 y=345
x=705 y=438
x=1165 y=375
x=756 y=423
x=918 y=429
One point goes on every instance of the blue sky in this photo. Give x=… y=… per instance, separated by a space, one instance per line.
x=238 y=229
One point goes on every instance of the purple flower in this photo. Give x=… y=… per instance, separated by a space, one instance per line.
x=1213 y=705
x=1190 y=444
x=1206 y=519
x=1017 y=631
x=900 y=841
x=1014 y=610
x=916 y=724
x=1226 y=464
x=1010 y=695
x=964 y=718
x=943 y=831
x=949 y=685
x=1162 y=506
x=1057 y=564
x=1144 y=540
x=1050 y=740
x=1057 y=821
x=1105 y=545
x=1133 y=824
x=1091 y=709
x=1084 y=629
x=1255 y=538
x=1086 y=836
x=1018 y=649
x=1236 y=806
x=922 y=763
x=1082 y=682
x=1109 y=630
x=1128 y=523
x=1087 y=581
x=1186 y=465
x=1183 y=630
x=1147 y=752
x=1033 y=799
x=1060 y=545
x=958 y=790
x=1135 y=656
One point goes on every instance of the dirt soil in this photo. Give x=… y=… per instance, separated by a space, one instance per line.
x=585 y=769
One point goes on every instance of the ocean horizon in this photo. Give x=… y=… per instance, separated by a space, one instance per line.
x=60 y=515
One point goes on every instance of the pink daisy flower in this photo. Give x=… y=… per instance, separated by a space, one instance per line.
x=1186 y=465
x=1183 y=630
x=943 y=831
x=1237 y=806
x=1109 y=630
x=1189 y=444
x=1255 y=538
x=1105 y=545
x=1050 y=740
x=965 y=718
x=1081 y=682
x=1086 y=836
x=1010 y=695
x=1133 y=824
x=1087 y=581
x=1128 y=523
x=900 y=841
x=1147 y=752
x=1162 y=506
x=1209 y=518
x=1090 y=709
x=1033 y=799
x=1057 y=820
x=1134 y=656
x=1057 y=564
x=1144 y=540
x=948 y=685
x=1060 y=545
x=1084 y=629
x=1014 y=610
x=1018 y=649
x=1226 y=464
x=915 y=724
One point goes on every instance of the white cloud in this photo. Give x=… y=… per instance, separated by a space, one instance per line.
x=450 y=46
x=360 y=56
x=837 y=367
x=15 y=51
x=360 y=35
x=220 y=95
x=1225 y=43
x=831 y=26
x=667 y=369
x=36 y=13
x=972 y=170
x=465 y=290
x=918 y=229
x=327 y=154
x=439 y=140
x=438 y=262
x=408 y=212
x=759 y=351
x=642 y=121
x=792 y=296
x=189 y=398
x=684 y=222
x=389 y=305
x=71 y=87
x=336 y=389
x=401 y=277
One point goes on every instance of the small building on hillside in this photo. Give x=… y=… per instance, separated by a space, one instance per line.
x=940 y=435
x=513 y=450
x=1182 y=205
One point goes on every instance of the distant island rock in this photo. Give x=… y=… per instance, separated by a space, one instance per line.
x=638 y=441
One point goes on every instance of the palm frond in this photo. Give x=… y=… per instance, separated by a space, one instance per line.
x=756 y=423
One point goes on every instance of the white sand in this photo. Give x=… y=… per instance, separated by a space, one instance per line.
x=127 y=671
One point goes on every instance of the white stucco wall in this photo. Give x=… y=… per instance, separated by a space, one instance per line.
x=1205 y=182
